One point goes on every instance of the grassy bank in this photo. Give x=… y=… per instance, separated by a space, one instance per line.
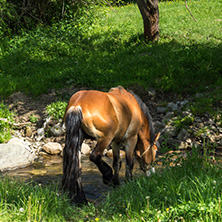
x=191 y=191
x=107 y=49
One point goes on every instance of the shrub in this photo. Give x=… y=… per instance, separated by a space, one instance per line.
x=6 y=117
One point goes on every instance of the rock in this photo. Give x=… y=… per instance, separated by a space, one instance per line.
x=40 y=134
x=184 y=103
x=183 y=145
x=158 y=126
x=170 y=131
x=57 y=130
x=219 y=129
x=28 y=132
x=198 y=120
x=173 y=142
x=161 y=109
x=168 y=116
x=183 y=135
x=14 y=155
x=172 y=106
x=52 y=148
x=152 y=93
x=85 y=149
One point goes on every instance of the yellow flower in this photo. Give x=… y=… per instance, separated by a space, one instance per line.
x=96 y=219
x=167 y=209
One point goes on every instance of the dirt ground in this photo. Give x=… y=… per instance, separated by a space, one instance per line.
x=25 y=106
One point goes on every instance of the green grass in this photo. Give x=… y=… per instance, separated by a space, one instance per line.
x=190 y=191
x=109 y=51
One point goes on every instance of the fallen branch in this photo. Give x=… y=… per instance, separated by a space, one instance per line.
x=15 y=124
x=190 y=11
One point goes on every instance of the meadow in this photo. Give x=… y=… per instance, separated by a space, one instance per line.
x=102 y=49
x=106 y=48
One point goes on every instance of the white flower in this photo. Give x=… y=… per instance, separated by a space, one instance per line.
x=21 y=210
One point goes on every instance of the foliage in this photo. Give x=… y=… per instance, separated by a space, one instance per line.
x=183 y=122
x=26 y=14
x=33 y=118
x=5 y=127
x=56 y=109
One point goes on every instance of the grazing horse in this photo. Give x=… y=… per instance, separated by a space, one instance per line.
x=117 y=117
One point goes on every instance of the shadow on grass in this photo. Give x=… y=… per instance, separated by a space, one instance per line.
x=104 y=61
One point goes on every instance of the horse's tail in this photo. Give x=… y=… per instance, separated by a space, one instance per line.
x=71 y=180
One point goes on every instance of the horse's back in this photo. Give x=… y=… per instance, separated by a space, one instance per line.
x=99 y=117
x=115 y=113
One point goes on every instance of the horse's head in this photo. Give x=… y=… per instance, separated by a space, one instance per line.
x=146 y=152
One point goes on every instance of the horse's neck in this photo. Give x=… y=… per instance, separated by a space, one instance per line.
x=143 y=138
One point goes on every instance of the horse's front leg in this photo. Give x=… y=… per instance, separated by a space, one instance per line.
x=130 y=145
x=116 y=162
x=96 y=157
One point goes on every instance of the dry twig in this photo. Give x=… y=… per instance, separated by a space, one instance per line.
x=190 y=11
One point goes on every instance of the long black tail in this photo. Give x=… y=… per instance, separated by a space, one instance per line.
x=71 y=180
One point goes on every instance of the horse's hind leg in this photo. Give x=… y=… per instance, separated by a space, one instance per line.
x=116 y=162
x=96 y=157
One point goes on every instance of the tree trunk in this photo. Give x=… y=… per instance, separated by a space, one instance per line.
x=150 y=14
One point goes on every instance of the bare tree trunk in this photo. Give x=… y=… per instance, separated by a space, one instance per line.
x=150 y=14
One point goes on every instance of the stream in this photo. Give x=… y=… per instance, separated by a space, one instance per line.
x=48 y=169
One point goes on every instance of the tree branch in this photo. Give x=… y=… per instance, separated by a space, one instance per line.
x=190 y=11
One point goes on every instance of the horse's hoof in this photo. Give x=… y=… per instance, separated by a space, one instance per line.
x=108 y=181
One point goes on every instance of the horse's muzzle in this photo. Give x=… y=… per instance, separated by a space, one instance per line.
x=148 y=170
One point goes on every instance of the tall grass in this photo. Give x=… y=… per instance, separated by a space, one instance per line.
x=190 y=191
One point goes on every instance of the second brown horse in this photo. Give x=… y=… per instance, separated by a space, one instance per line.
x=117 y=117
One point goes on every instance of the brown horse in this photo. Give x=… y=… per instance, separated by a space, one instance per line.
x=117 y=117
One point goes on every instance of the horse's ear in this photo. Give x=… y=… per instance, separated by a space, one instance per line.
x=157 y=136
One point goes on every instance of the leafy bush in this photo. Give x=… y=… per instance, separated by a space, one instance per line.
x=27 y=14
x=56 y=109
x=6 y=117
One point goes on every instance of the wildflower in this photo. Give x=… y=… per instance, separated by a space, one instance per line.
x=96 y=219
x=167 y=209
x=21 y=210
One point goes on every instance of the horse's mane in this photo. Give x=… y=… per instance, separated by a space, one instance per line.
x=146 y=112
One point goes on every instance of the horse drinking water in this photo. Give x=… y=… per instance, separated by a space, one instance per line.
x=117 y=117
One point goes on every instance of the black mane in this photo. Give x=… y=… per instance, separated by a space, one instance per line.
x=146 y=112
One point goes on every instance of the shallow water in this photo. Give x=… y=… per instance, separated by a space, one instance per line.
x=48 y=170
